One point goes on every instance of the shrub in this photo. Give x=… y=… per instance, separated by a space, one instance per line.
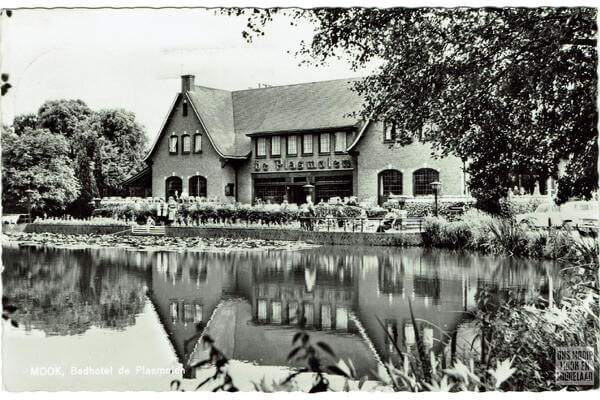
x=432 y=231
x=529 y=332
x=509 y=207
x=458 y=235
x=481 y=232
x=559 y=244
x=350 y=211
x=86 y=221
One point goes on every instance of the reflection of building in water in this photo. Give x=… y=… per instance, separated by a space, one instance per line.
x=387 y=285
x=186 y=288
x=441 y=286
x=318 y=290
x=338 y=292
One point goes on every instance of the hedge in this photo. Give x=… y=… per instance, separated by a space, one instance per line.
x=202 y=213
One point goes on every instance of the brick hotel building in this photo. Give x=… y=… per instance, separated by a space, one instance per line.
x=269 y=143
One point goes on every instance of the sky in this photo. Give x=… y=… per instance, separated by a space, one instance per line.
x=133 y=59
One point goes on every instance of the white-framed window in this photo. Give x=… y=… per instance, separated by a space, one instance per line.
x=324 y=143
x=197 y=143
x=340 y=142
x=173 y=144
x=186 y=144
x=261 y=147
x=292 y=145
x=307 y=144
x=275 y=145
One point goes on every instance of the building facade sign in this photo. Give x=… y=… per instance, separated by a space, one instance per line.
x=326 y=164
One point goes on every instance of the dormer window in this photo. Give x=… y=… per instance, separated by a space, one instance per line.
x=173 y=144
x=261 y=147
x=340 y=142
x=292 y=144
x=324 y=143
x=185 y=108
x=307 y=144
x=275 y=146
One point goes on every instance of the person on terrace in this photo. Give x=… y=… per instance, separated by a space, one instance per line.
x=388 y=221
x=172 y=210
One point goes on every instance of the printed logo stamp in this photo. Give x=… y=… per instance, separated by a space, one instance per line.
x=574 y=365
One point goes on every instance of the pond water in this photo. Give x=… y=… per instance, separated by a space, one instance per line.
x=108 y=319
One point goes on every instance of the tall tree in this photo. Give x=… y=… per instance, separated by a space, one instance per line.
x=84 y=144
x=37 y=160
x=103 y=147
x=24 y=122
x=511 y=90
x=63 y=116
x=120 y=150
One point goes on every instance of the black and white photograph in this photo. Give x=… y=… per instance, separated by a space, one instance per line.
x=345 y=197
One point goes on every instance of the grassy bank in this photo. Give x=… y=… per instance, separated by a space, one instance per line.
x=480 y=232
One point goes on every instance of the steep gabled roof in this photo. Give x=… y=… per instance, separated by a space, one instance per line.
x=302 y=106
x=228 y=117
x=215 y=111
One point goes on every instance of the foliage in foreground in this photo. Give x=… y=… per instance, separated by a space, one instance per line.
x=531 y=330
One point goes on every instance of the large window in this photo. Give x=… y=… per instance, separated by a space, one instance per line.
x=329 y=186
x=324 y=143
x=391 y=182
x=307 y=144
x=292 y=145
x=340 y=142
x=197 y=143
x=173 y=144
x=185 y=144
x=422 y=179
x=173 y=187
x=269 y=190
x=276 y=146
x=197 y=186
x=261 y=147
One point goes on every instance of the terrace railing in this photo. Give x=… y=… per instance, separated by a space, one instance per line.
x=152 y=230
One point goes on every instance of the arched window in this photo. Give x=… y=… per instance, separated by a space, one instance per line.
x=390 y=182
x=197 y=186
x=173 y=185
x=422 y=179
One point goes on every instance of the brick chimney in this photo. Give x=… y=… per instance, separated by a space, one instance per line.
x=187 y=83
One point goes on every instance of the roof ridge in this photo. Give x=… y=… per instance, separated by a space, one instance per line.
x=353 y=78
x=211 y=88
x=298 y=84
